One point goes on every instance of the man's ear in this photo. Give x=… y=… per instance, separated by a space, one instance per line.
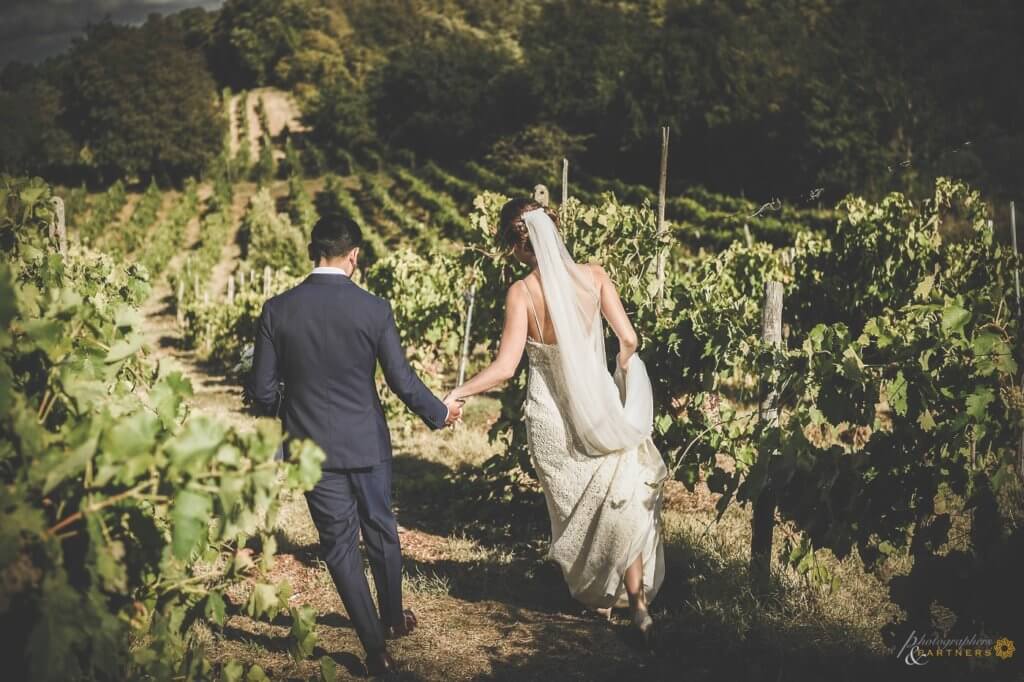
x=355 y=255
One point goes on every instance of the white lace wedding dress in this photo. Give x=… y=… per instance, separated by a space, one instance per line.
x=589 y=440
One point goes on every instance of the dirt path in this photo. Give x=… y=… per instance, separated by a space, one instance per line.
x=282 y=111
x=231 y=254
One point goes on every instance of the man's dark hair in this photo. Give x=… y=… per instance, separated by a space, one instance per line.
x=334 y=235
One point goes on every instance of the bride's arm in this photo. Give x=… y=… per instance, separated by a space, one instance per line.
x=513 y=341
x=618 y=320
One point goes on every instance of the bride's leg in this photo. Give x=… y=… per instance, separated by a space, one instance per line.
x=634 y=579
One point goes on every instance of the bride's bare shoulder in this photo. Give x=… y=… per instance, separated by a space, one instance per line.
x=517 y=289
x=597 y=270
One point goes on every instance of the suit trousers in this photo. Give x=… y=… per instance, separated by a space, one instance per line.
x=343 y=503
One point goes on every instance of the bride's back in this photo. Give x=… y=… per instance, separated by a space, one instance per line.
x=539 y=325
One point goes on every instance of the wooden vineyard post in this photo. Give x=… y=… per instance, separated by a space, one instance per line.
x=1020 y=328
x=179 y=307
x=662 y=190
x=763 y=521
x=266 y=281
x=464 y=358
x=59 y=228
x=1016 y=255
x=565 y=185
x=231 y=290
x=746 y=234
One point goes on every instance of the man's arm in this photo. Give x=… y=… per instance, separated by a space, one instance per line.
x=263 y=380
x=403 y=380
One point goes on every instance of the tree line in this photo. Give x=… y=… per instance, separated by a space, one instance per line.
x=764 y=99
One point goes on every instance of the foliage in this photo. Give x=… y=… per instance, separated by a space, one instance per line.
x=534 y=154
x=447 y=96
x=444 y=213
x=336 y=198
x=169 y=235
x=32 y=138
x=140 y=102
x=896 y=386
x=134 y=232
x=426 y=297
x=252 y=37
x=339 y=116
x=301 y=209
x=124 y=520
x=104 y=211
x=221 y=331
x=270 y=239
x=214 y=229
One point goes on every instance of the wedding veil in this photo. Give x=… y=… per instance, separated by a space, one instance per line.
x=609 y=414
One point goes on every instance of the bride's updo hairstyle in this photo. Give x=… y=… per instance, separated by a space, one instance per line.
x=513 y=234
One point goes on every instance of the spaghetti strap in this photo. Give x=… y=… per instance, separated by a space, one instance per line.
x=597 y=287
x=533 y=309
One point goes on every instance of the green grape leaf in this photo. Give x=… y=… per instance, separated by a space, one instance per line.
x=214 y=608
x=978 y=402
x=256 y=674
x=954 y=318
x=924 y=287
x=132 y=436
x=328 y=669
x=305 y=470
x=190 y=515
x=196 y=443
x=232 y=671
x=992 y=354
x=895 y=393
x=71 y=465
x=124 y=349
x=925 y=420
x=302 y=638
x=263 y=601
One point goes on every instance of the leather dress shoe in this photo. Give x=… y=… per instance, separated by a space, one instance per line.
x=380 y=663
x=405 y=627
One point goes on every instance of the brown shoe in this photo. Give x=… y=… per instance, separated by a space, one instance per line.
x=407 y=625
x=380 y=663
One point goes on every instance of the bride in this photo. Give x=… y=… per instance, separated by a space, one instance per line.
x=588 y=432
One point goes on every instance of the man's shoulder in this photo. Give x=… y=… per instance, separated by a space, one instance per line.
x=303 y=289
x=281 y=298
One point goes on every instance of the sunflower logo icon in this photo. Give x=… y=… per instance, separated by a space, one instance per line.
x=1004 y=648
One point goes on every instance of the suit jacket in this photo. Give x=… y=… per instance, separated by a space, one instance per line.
x=323 y=339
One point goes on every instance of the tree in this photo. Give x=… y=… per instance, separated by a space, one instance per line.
x=140 y=103
x=31 y=138
x=449 y=96
x=340 y=121
x=251 y=37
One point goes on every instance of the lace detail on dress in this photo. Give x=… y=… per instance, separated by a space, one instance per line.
x=604 y=511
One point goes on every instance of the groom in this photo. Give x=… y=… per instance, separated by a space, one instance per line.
x=323 y=339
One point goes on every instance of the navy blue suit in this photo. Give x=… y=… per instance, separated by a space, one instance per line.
x=324 y=339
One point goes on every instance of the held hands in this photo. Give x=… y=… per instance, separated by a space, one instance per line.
x=454 y=405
